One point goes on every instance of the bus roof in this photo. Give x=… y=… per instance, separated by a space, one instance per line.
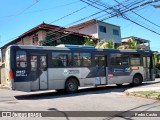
x=75 y=47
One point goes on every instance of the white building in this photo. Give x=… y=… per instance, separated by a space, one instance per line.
x=99 y=30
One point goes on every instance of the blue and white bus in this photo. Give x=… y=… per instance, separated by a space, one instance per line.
x=67 y=67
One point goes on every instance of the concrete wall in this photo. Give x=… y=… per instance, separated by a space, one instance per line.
x=109 y=32
x=93 y=30
x=89 y=30
x=2 y=74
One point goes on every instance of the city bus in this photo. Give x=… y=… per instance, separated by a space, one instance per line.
x=68 y=67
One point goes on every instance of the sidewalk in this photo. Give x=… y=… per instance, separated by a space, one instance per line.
x=2 y=86
x=148 y=90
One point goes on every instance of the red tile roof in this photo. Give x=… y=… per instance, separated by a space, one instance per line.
x=42 y=26
x=83 y=24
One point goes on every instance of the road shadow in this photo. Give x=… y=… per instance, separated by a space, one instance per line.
x=81 y=92
x=85 y=91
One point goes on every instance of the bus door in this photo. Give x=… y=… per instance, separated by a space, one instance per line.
x=101 y=74
x=39 y=80
x=146 y=66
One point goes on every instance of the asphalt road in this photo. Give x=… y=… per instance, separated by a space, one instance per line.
x=110 y=98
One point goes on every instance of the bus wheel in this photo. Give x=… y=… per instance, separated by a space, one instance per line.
x=71 y=85
x=137 y=80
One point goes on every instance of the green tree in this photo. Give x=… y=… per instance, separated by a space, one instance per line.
x=105 y=44
x=52 y=39
x=89 y=41
x=131 y=44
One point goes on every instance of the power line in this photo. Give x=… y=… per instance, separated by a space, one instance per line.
x=21 y=13
x=81 y=20
x=140 y=16
x=28 y=7
x=129 y=18
x=70 y=14
x=92 y=14
x=63 y=5
x=112 y=15
x=60 y=29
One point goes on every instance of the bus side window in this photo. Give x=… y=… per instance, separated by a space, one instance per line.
x=119 y=59
x=62 y=59
x=21 y=59
x=82 y=59
x=135 y=59
x=43 y=63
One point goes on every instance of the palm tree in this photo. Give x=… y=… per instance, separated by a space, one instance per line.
x=131 y=44
x=105 y=44
x=89 y=43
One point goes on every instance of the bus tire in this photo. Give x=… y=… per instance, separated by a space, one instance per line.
x=71 y=85
x=137 y=80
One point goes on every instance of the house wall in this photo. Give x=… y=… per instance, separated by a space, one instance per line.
x=88 y=30
x=42 y=35
x=2 y=74
x=109 y=32
x=27 y=40
x=94 y=31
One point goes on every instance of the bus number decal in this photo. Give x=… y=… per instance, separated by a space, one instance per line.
x=21 y=73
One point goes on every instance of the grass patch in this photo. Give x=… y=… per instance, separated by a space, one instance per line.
x=148 y=94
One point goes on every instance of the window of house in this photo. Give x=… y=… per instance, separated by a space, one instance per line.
x=119 y=59
x=82 y=59
x=61 y=59
x=21 y=59
x=135 y=59
x=115 y=32
x=102 y=29
x=35 y=39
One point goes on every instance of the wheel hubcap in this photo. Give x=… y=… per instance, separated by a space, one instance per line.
x=136 y=80
x=71 y=86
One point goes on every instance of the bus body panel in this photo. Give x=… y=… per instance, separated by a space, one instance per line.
x=23 y=86
x=86 y=76
x=47 y=77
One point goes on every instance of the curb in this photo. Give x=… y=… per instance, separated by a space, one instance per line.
x=143 y=96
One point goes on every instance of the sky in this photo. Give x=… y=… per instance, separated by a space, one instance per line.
x=18 y=16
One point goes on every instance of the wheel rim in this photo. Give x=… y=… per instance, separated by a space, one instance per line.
x=136 y=80
x=71 y=86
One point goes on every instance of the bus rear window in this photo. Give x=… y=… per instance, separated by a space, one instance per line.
x=21 y=59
